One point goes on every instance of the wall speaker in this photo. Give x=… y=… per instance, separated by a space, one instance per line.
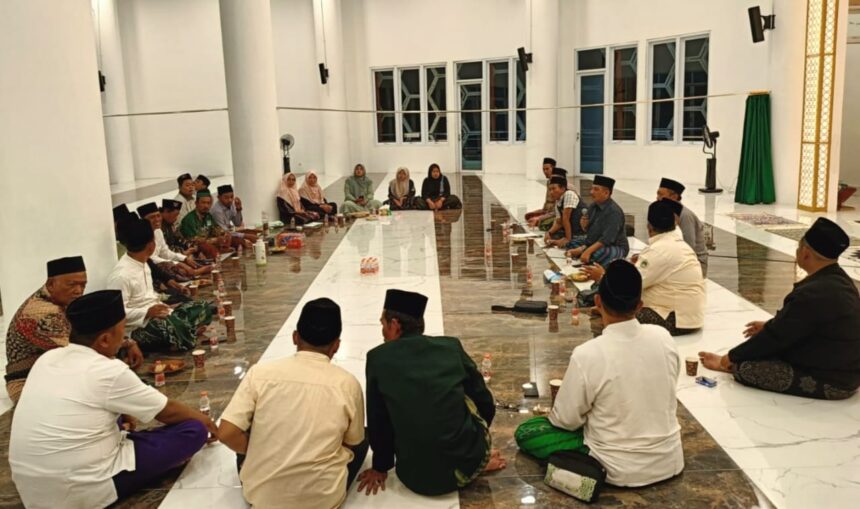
x=759 y=23
x=323 y=74
x=525 y=58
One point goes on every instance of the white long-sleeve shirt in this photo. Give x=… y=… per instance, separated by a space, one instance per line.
x=620 y=387
x=672 y=280
x=188 y=205
x=134 y=279
x=163 y=252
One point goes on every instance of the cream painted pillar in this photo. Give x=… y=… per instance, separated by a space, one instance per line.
x=53 y=163
x=329 y=48
x=249 y=68
x=117 y=129
x=542 y=87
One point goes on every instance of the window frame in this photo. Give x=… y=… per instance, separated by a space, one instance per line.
x=512 y=108
x=398 y=104
x=610 y=79
x=680 y=84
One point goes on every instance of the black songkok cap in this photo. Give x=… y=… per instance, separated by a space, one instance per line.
x=409 y=303
x=135 y=232
x=549 y=160
x=621 y=287
x=120 y=211
x=320 y=323
x=96 y=312
x=561 y=181
x=661 y=215
x=672 y=185
x=561 y=172
x=145 y=210
x=182 y=178
x=170 y=205
x=225 y=189
x=67 y=265
x=203 y=178
x=600 y=180
x=677 y=208
x=826 y=238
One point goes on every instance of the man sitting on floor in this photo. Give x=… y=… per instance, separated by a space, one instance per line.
x=167 y=259
x=170 y=228
x=605 y=239
x=185 y=195
x=427 y=406
x=307 y=415
x=673 y=290
x=153 y=324
x=201 y=183
x=692 y=228
x=811 y=348
x=617 y=400
x=536 y=217
x=227 y=212
x=66 y=447
x=200 y=227
x=40 y=323
x=567 y=214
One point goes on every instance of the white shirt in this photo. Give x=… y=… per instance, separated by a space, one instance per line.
x=621 y=387
x=672 y=280
x=65 y=445
x=134 y=279
x=303 y=410
x=163 y=252
x=188 y=205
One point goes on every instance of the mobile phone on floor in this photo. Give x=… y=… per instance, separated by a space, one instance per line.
x=707 y=382
x=530 y=390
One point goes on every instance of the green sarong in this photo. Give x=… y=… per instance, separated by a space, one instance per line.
x=176 y=332
x=539 y=438
x=464 y=478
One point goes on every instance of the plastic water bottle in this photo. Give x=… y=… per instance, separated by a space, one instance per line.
x=260 y=252
x=205 y=408
x=292 y=223
x=159 y=374
x=213 y=342
x=264 y=218
x=487 y=367
x=529 y=276
x=240 y=251
x=574 y=317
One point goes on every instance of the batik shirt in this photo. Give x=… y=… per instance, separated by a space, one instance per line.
x=38 y=326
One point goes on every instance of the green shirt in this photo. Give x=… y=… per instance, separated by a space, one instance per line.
x=193 y=226
x=417 y=392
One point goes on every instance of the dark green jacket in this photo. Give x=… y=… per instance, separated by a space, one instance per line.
x=417 y=412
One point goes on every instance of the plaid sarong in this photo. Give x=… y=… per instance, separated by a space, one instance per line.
x=176 y=332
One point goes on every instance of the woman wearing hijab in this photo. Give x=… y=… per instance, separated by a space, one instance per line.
x=313 y=198
x=401 y=191
x=358 y=192
x=290 y=202
x=436 y=191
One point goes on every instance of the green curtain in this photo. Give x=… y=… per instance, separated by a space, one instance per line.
x=755 y=175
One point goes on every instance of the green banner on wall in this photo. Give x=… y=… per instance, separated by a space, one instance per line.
x=755 y=174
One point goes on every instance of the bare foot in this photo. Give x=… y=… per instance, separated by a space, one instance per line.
x=497 y=462
x=712 y=361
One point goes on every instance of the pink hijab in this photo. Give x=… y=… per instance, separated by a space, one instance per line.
x=290 y=194
x=311 y=193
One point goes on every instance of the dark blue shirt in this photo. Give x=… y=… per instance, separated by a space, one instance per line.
x=606 y=224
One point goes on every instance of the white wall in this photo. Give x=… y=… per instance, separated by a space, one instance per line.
x=850 y=156
x=174 y=61
x=736 y=65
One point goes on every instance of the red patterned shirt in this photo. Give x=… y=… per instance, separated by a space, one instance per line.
x=38 y=326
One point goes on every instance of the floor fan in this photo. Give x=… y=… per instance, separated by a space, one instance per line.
x=710 y=143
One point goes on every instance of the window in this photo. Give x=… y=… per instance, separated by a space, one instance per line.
x=687 y=108
x=420 y=105
x=521 y=103
x=385 y=126
x=499 y=100
x=591 y=59
x=624 y=91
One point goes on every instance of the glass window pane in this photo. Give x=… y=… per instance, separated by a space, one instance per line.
x=470 y=71
x=499 y=101
x=437 y=123
x=695 y=85
x=591 y=59
x=410 y=100
x=521 y=104
x=624 y=90
x=384 y=85
x=663 y=87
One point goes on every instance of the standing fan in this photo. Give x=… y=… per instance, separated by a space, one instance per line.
x=710 y=143
x=287 y=142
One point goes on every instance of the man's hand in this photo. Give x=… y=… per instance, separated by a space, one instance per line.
x=594 y=272
x=238 y=203
x=634 y=258
x=133 y=355
x=190 y=262
x=585 y=257
x=129 y=423
x=211 y=426
x=361 y=200
x=158 y=311
x=753 y=328
x=575 y=252
x=371 y=481
x=583 y=222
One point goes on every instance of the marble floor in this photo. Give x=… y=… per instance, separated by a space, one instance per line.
x=743 y=448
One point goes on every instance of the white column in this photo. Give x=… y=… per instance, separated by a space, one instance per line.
x=53 y=167
x=542 y=86
x=329 y=48
x=249 y=68
x=117 y=129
